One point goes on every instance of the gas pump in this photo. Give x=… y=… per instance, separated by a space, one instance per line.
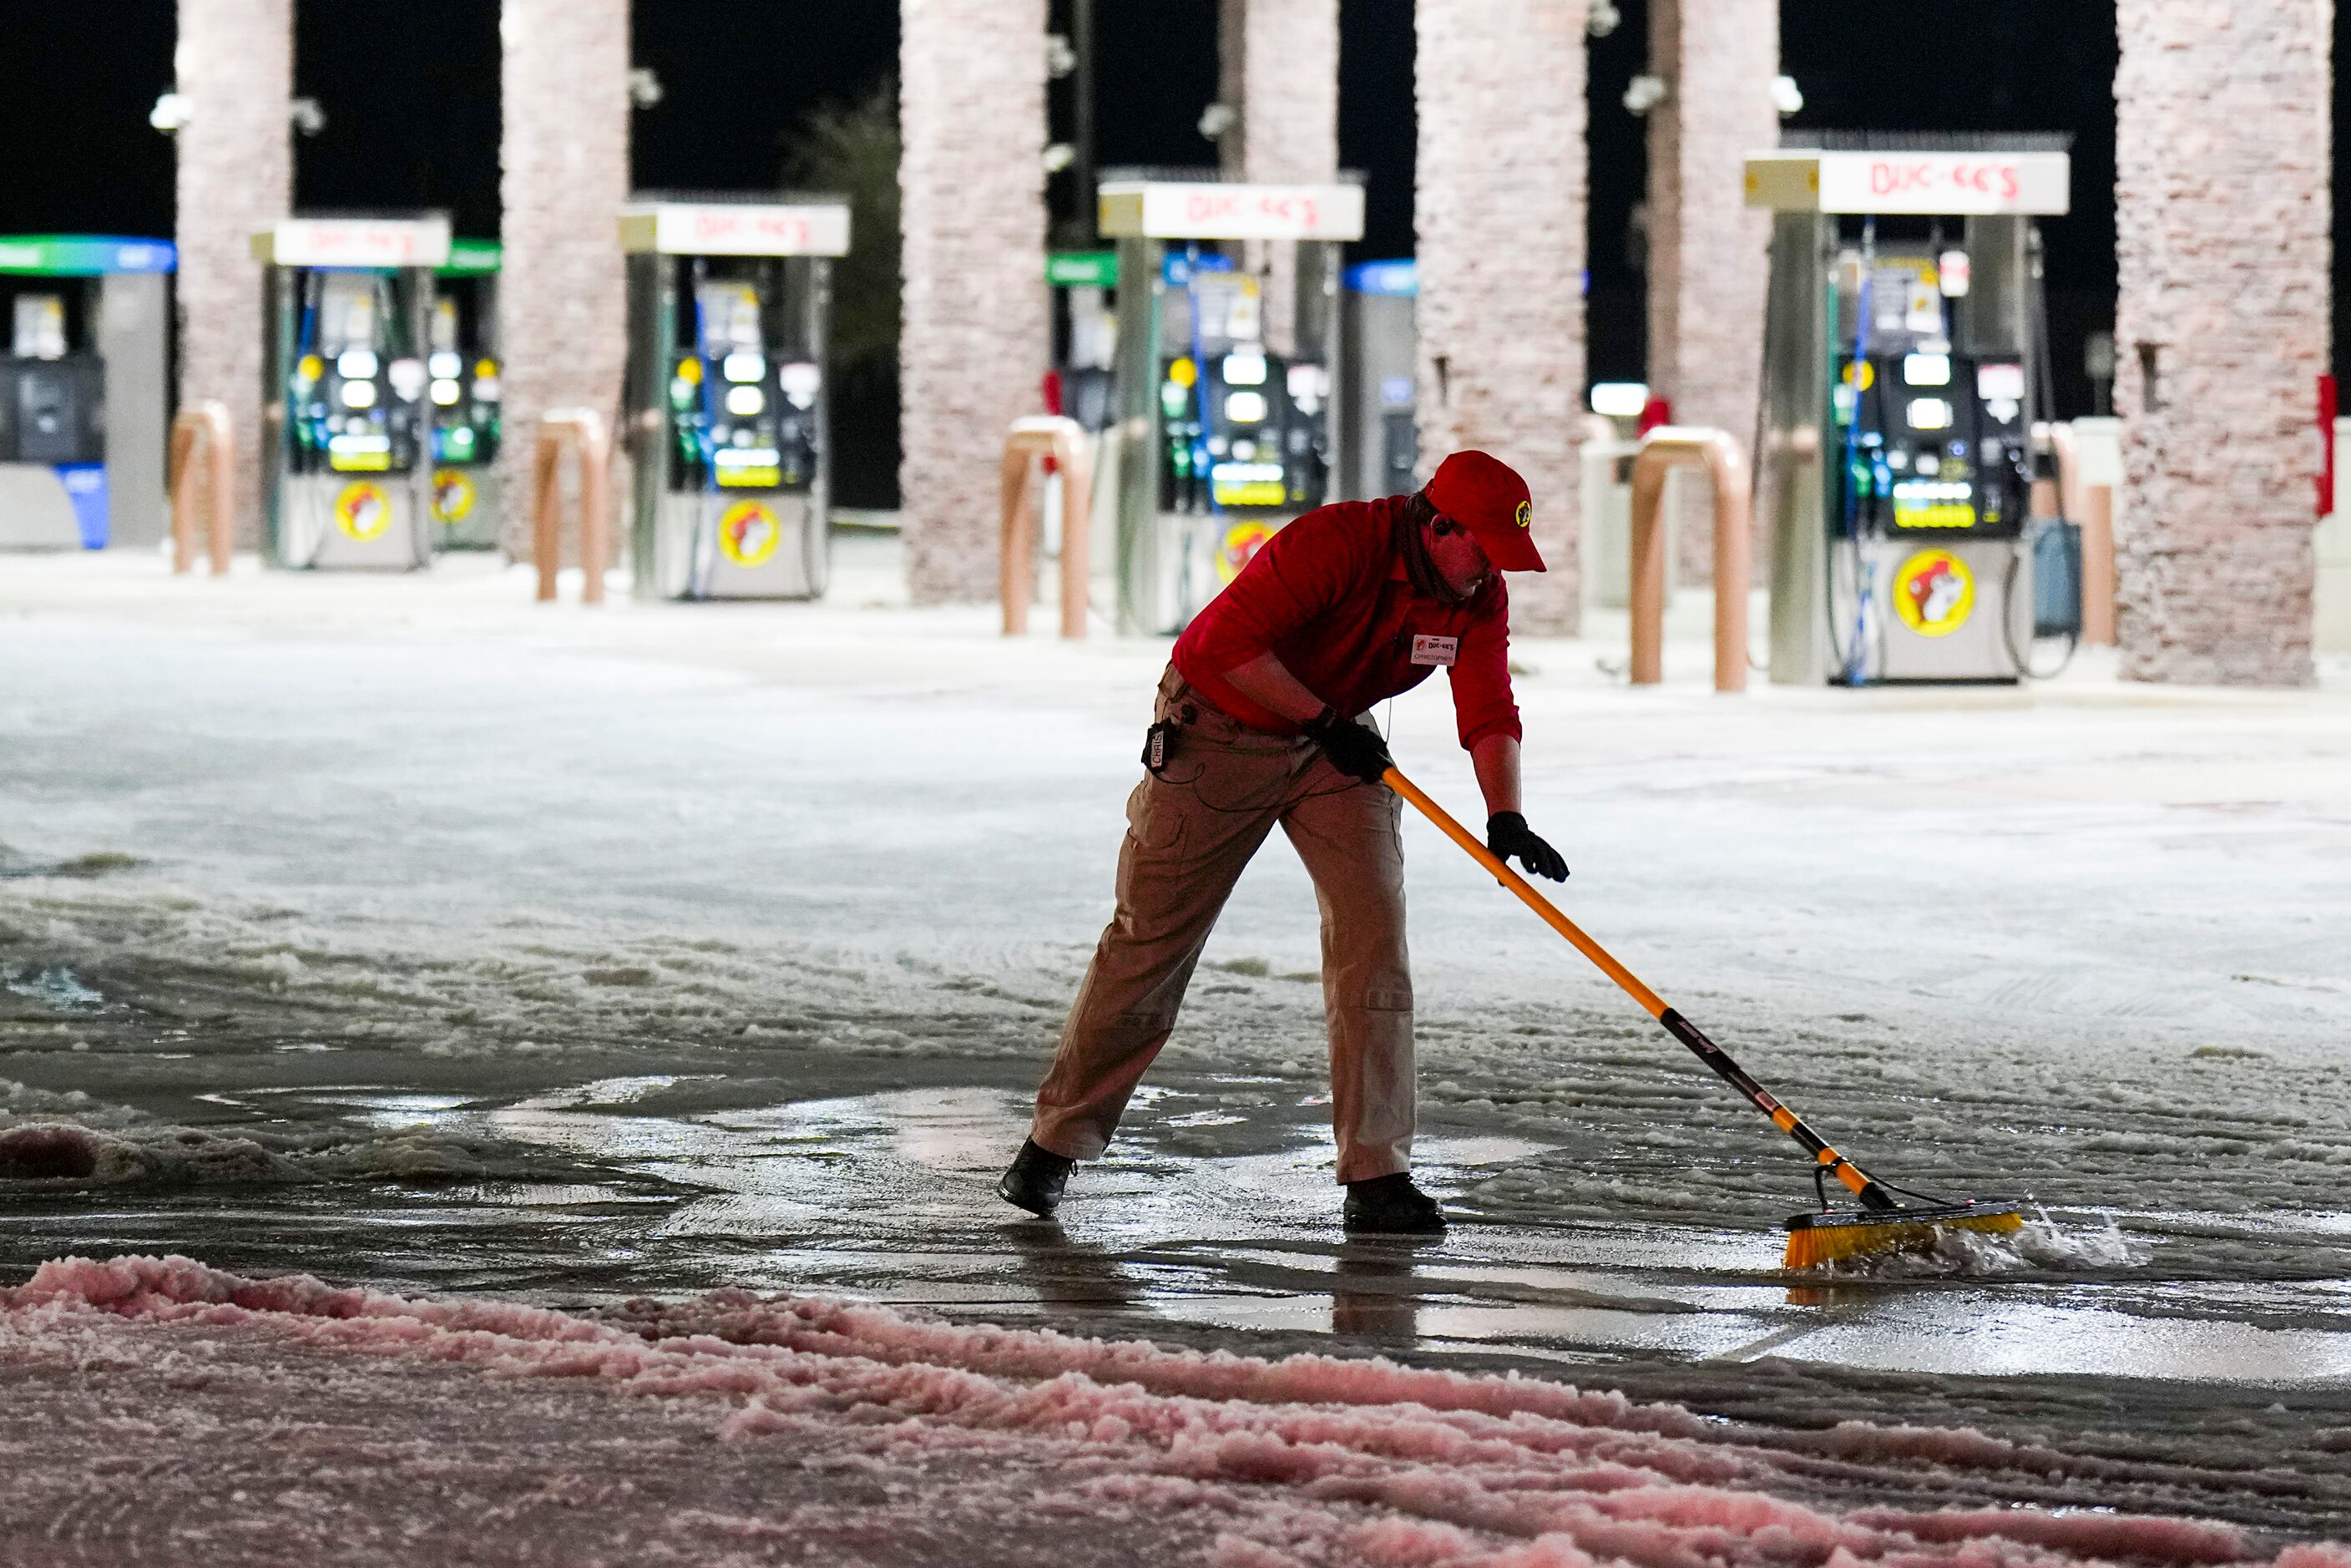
x=1904 y=367
x=462 y=362
x=1083 y=386
x=1224 y=435
x=82 y=398
x=1379 y=322
x=726 y=395
x=1085 y=333
x=348 y=425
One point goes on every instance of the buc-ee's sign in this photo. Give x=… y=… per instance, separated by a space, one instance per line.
x=737 y=228
x=355 y=242
x=1209 y=210
x=1930 y=183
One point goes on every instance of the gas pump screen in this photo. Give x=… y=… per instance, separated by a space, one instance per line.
x=1251 y=422
x=743 y=398
x=1926 y=451
x=354 y=384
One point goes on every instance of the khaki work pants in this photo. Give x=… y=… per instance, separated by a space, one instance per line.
x=1190 y=830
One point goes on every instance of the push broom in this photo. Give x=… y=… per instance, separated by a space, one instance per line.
x=1881 y=1224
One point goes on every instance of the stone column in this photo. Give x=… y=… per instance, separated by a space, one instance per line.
x=1706 y=262
x=563 y=162
x=972 y=351
x=2222 y=147
x=1279 y=69
x=1500 y=215
x=235 y=64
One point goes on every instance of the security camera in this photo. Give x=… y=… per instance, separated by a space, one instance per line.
x=1603 y=19
x=172 y=111
x=1645 y=93
x=307 y=117
x=1785 y=95
x=644 y=86
x=1218 y=119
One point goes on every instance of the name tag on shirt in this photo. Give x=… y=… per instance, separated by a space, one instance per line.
x=1428 y=649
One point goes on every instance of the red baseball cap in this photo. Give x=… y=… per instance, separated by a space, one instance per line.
x=1486 y=496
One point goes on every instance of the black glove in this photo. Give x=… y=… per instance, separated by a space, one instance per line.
x=1507 y=835
x=1354 y=749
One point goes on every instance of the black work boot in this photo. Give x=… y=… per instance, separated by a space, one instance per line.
x=1035 y=1179
x=1391 y=1206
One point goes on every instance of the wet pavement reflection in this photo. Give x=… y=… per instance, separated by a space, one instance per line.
x=886 y=1195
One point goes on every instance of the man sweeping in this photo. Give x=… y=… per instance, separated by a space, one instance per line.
x=1261 y=720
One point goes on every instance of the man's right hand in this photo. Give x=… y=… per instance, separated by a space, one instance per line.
x=1354 y=749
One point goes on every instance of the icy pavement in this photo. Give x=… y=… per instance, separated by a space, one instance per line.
x=406 y=934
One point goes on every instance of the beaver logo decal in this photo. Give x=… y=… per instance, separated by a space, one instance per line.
x=1933 y=593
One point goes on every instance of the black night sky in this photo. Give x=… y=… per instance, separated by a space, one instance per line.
x=410 y=100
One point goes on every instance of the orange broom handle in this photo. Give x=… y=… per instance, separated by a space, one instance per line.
x=1535 y=901
x=1852 y=1176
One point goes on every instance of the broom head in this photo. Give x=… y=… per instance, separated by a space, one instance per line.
x=1817 y=1239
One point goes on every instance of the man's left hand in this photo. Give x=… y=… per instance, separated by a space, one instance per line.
x=1507 y=835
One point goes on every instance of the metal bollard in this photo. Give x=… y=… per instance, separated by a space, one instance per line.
x=203 y=469
x=1726 y=467
x=2092 y=508
x=583 y=430
x=1064 y=440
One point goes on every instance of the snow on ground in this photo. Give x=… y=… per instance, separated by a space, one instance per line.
x=860 y=1435
x=406 y=932
x=2086 y=940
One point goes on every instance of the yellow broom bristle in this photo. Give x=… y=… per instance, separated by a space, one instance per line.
x=1817 y=1244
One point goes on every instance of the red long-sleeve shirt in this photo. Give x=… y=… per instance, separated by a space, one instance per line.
x=1329 y=596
